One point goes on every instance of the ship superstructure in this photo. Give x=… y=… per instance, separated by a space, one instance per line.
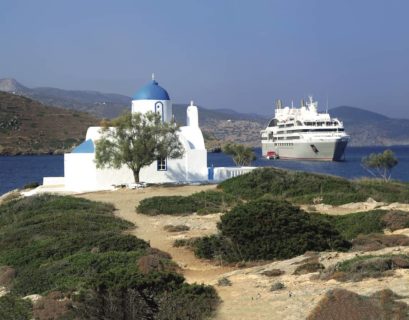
x=304 y=133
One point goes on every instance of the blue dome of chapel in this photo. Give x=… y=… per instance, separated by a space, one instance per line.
x=151 y=91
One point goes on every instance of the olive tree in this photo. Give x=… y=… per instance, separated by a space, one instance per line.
x=242 y=155
x=136 y=141
x=380 y=164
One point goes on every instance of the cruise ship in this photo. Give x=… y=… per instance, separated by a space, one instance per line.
x=304 y=134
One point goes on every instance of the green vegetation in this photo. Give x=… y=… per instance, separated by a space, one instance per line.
x=13 y=307
x=367 y=266
x=360 y=223
x=176 y=228
x=78 y=247
x=381 y=164
x=242 y=155
x=353 y=224
x=137 y=141
x=203 y=202
x=267 y=229
x=303 y=187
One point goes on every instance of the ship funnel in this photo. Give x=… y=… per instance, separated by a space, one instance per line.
x=302 y=103
x=279 y=104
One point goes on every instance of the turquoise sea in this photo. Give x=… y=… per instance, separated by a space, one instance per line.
x=17 y=171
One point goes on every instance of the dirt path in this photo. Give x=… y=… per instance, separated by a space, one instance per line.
x=249 y=297
x=151 y=228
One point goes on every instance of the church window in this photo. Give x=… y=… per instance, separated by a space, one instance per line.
x=162 y=164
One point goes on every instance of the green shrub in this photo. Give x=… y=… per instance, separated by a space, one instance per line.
x=176 y=228
x=268 y=229
x=353 y=224
x=31 y=185
x=13 y=307
x=75 y=245
x=203 y=202
x=303 y=187
x=285 y=184
x=367 y=266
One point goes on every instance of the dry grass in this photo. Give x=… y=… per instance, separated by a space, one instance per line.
x=7 y=275
x=377 y=241
x=395 y=220
x=52 y=307
x=362 y=267
x=341 y=304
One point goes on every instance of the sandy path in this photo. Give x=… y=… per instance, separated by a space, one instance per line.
x=249 y=297
x=151 y=228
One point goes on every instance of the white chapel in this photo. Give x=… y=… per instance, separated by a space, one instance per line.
x=81 y=174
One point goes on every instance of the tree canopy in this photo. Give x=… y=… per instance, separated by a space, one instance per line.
x=380 y=164
x=137 y=140
x=242 y=155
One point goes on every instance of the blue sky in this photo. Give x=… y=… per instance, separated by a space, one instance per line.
x=223 y=54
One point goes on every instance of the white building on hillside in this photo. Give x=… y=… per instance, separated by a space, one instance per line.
x=81 y=174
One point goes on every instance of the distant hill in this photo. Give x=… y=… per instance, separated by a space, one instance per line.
x=220 y=125
x=368 y=128
x=29 y=127
x=209 y=115
x=101 y=105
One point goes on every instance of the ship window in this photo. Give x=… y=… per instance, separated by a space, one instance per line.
x=273 y=123
x=299 y=123
x=161 y=164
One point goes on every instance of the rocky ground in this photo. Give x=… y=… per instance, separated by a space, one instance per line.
x=249 y=296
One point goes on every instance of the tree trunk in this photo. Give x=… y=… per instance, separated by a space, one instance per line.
x=136 y=174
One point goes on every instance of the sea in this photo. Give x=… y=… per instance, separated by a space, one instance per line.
x=17 y=171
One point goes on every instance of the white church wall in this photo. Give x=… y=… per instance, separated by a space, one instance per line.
x=164 y=107
x=79 y=171
x=194 y=137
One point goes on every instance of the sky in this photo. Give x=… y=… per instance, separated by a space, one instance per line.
x=241 y=55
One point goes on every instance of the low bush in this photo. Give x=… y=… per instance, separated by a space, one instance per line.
x=367 y=266
x=7 y=275
x=277 y=286
x=340 y=304
x=78 y=247
x=353 y=224
x=31 y=185
x=13 y=307
x=268 y=229
x=224 y=282
x=176 y=228
x=308 y=267
x=377 y=241
x=303 y=187
x=395 y=220
x=375 y=221
x=53 y=306
x=203 y=202
x=273 y=273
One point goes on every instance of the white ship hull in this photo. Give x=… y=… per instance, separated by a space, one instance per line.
x=332 y=149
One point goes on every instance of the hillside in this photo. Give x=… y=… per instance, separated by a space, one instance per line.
x=101 y=105
x=220 y=125
x=369 y=128
x=29 y=127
